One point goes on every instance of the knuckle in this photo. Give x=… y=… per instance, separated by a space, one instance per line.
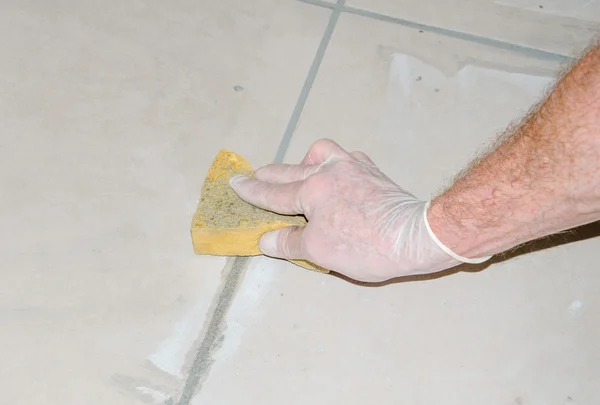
x=322 y=147
x=323 y=143
x=361 y=156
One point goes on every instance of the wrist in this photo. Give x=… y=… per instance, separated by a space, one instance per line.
x=454 y=232
x=444 y=247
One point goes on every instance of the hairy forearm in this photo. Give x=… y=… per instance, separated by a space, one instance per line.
x=543 y=178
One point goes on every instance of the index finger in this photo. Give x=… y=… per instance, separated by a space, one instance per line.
x=282 y=198
x=284 y=173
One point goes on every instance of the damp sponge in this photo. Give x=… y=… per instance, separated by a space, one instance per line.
x=224 y=224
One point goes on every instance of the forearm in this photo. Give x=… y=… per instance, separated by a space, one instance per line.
x=544 y=178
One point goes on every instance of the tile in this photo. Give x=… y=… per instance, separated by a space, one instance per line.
x=582 y=9
x=520 y=22
x=111 y=114
x=521 y=331
x=384 y=88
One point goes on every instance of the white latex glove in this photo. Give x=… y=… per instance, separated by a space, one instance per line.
x=360 y=223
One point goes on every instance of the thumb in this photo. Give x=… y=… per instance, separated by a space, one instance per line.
x=284 y=243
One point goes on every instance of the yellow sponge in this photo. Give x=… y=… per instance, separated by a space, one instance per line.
x=224 y=224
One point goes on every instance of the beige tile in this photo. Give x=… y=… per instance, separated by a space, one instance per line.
x=519 y=332
x=416 y=101
x=520 y=22
x=111 y=113
x=588 y=10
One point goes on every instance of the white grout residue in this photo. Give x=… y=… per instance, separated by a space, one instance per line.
x=400 y=76
x=170 y=356
x=171 y=353
x=157 y=396
x=458 y=91
x=575 y=307
x=245 y=307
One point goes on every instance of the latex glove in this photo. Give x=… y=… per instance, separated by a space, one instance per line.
x=360 y=223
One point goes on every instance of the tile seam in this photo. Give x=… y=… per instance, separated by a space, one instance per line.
x=308 y=83
x=202 y=361
x=482 y=40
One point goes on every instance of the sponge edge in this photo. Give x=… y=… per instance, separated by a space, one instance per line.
x=225 y=225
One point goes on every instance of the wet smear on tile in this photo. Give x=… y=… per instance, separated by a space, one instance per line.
x=155 y=396
x=171 y=353
x=575 y=307
x=258 y=278
x=406 y=118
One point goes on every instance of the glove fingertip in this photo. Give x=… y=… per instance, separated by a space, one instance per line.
x=237 y=179
x=268 y=244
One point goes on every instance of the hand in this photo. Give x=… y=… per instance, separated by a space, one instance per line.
x=360 y=223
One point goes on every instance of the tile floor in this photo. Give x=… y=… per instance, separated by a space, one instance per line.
x=111 y=113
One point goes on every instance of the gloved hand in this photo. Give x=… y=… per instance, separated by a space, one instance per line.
x=360 y=223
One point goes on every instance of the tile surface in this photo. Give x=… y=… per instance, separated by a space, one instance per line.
x=588 y=10
x=564 y=28
x=111 y=113
x=521 y=331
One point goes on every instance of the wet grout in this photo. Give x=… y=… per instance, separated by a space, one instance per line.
x=203 y=360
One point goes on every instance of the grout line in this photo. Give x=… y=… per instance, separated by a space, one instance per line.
x=310 y=79
x=203 y=360
x=529 y=51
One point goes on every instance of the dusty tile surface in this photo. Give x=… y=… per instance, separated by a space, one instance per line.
x=111 y=113
x=559 y=27
x=521 y=331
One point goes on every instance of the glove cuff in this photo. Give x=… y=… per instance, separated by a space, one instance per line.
x=445 y=248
